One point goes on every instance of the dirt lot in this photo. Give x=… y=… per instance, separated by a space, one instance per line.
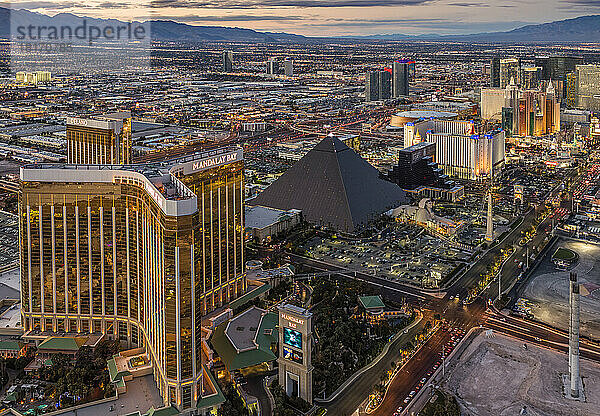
x=496 y=376
x=548 y=289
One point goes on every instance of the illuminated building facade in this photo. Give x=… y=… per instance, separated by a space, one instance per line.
x=460 y=150
x=100 y=140
x=400 y=77
x=538 y=113
x=510 y=69
x=378 y=86
x=571 y=90
x=524 y=112
x=588 y=87
x=227 y=61
x=138 y=253
x=295 y=356
x=495 y=72
x=531 y=77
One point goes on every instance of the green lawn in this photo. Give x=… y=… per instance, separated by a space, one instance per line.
x=565 y=254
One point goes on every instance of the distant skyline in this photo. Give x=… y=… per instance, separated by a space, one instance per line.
x=332 y=17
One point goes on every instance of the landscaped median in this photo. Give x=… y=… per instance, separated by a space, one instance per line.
x=357 y=374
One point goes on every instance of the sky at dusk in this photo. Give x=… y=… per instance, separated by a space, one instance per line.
x=332 y=17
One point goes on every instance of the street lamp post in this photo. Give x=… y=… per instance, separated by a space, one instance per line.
x=499 y=286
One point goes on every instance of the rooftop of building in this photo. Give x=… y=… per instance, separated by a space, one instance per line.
x=241 y=330
x=258 y=333
x=371 y=302
x=117 y=115
x=9 y=345
x=251 y=294
x=295 y=309
x=63 y=343
x=259 y=217
x=426 y=114
x=417 y=146
x=158 y=175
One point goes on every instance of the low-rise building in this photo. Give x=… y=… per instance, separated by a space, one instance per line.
x=263 y=223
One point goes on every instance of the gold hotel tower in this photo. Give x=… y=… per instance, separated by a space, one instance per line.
x=100 y=140
x=139 y=253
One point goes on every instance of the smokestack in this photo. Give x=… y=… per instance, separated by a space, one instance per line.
x=574 y=335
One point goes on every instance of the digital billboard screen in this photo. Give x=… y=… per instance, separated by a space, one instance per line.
x=292 y=338
x=290 y=354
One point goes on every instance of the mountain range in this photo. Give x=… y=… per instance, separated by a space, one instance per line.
x=579 y=29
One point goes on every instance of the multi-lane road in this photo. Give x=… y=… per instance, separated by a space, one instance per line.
x=538 y=333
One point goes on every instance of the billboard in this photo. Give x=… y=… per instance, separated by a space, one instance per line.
x=295 y=356
x=292 y=338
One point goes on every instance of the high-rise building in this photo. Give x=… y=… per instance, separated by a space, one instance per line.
x=227 y=61
x=538 y=113
x=138 y=253
x=544 y=63
x=272 y=66
x=531 y=77
x=385 y=85
x=557 y=67
x=416 y=167
x=495 y=72
x=288 y=67
x=33 y=77
x=510 y=69
x=523 y=112
x=571 y=90
x=372 y=86
x=460 y=150
x=588 y=87
x=378 y=86
x=99 y=140
x=492 y=101
x=400 y=78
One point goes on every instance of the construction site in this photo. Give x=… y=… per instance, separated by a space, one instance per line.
x=500 y=376
x=548 y=288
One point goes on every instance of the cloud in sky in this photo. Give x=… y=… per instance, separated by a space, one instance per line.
x=332 y=17
x=583 y=3
x=231 y=18
x=35 y=5
x=251 y=4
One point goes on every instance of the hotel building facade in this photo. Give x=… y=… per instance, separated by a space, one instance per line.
x=460 y=151
x=138 y=253
x=100 y=140
x=523 y=112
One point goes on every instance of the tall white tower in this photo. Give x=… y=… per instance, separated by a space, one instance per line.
x=574 y=335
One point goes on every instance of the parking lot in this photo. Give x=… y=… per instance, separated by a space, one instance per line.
x=402 y=252
x=9 y=240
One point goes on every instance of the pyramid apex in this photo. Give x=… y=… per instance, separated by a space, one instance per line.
x=331 y=144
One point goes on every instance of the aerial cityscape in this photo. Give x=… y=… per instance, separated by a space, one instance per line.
x=281 y=208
